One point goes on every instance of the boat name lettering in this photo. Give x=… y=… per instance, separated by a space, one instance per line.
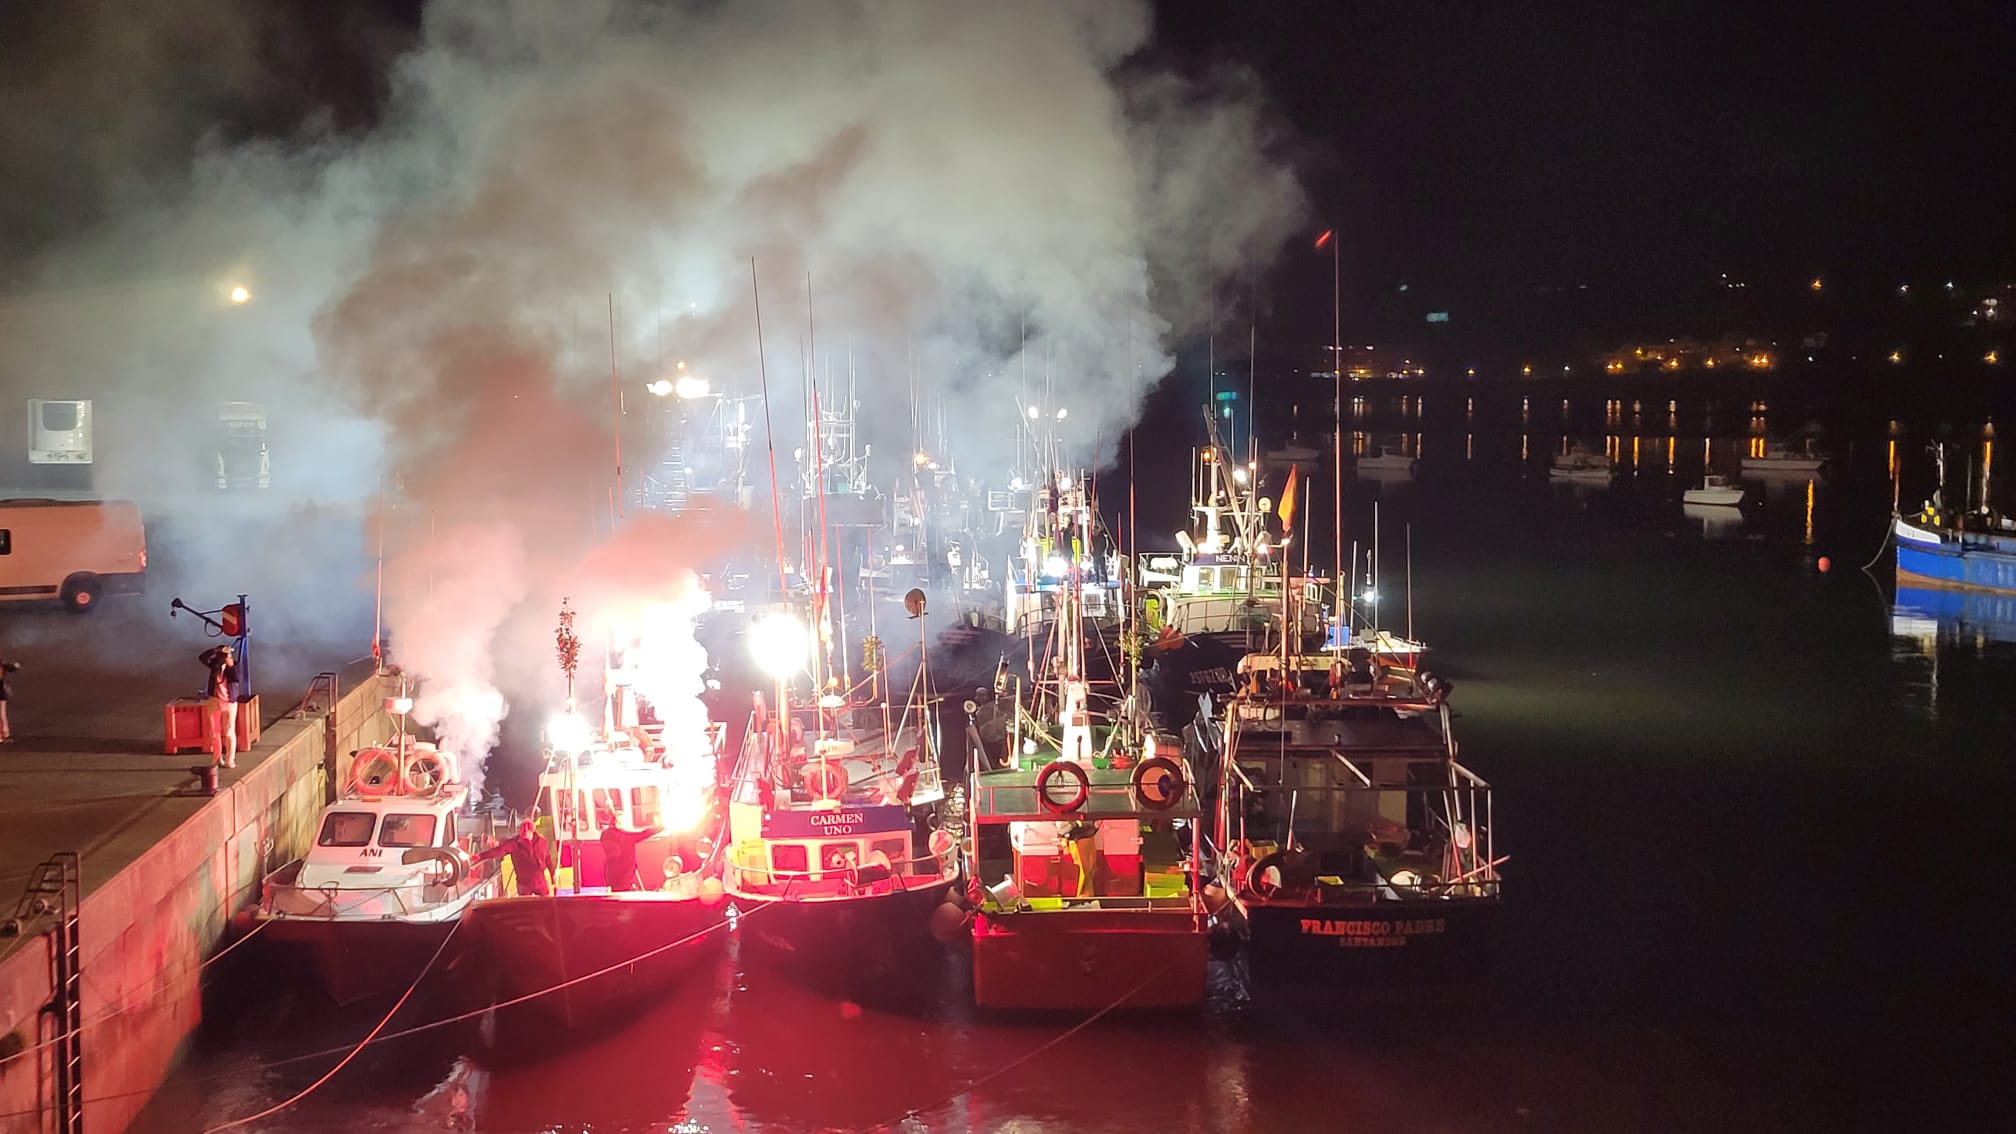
x=832 y=824
x=1372 y=934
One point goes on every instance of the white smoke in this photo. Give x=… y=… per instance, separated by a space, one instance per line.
x=977 y=192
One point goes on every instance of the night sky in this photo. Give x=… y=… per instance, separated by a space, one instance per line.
x=1470 y=150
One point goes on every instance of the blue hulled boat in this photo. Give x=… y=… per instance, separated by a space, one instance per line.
x=1976 y=554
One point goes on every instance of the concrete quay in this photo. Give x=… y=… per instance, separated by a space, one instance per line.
x=163 y=869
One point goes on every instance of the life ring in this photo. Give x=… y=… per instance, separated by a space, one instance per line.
x=426 y=773
x=942 y=845
x=1169 y=783
x=1079 y=780
x=824 y=781
x=374 y=771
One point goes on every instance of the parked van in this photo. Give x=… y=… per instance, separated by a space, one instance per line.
x=75 y=550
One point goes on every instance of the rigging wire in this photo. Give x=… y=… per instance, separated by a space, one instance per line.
x=345 y=1061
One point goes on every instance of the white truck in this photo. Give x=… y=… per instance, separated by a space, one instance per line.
x=243 y=462
x=59 y=431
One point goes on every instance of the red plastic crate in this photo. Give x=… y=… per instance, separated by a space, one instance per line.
x=185 y=722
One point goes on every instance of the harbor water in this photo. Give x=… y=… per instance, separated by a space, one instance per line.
x=1753 y=811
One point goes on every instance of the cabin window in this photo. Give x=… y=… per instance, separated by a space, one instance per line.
x=59 y=417
x=6 y=542
x=407 y=831
x=608 y=800
x=789 y=858
x=644 y=806
x=347 y=829
x=838 y=856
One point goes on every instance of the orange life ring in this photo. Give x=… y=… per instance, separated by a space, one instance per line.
x=824 y=781
x=1080 y=781
x=1167 y=775
x=381 y=761
x=424 y=774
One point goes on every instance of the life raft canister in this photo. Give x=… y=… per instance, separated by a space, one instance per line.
x=1081 y=785
x=1158 y=783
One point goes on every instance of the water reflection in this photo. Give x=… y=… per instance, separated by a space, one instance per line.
x=1718 y=521
x=1934 y=618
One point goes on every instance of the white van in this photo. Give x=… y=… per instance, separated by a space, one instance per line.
x=75 y=550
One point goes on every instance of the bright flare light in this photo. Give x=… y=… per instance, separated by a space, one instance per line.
x=240 y=294
x=661 y=387
x=1056 y=566
x=1239 y=476
x=566 y=732
x=1370 y=596
x=780 y=644
x=1034 y=413
x=690 y=386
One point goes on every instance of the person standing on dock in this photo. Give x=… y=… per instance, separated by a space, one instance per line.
x=7 y=668
x=619 y=852
x=530 y=862
x=222 y=708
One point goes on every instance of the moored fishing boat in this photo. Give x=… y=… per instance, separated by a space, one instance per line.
x=1359 y=849
x=378 y=894
x=624 y=813
x=1084 y=849
x=1714 y=491
x=1580 y=464
x=1968 y=550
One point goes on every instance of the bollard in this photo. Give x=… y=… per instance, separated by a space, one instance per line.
x=206 y=778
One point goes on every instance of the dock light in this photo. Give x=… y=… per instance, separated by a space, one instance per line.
x=1369 y=596
x=1815 y=285
x=921 y=459
x=567 y=732
x=690 y=386
x=661 y=387
x=779 y=644
x=240 y=294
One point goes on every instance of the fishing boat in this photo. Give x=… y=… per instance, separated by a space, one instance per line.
x=1221 y=584
x=1359 y=849
x=1084 y=844
x=1786 y=459
x=591 y=950
x=1385 y=464
x=1970 y=550
x=835 y=860
x=1580 y=464
x=377 y=895
x=1716 y=491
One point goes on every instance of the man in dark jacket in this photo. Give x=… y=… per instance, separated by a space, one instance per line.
x=619 y=852
x=530 y=862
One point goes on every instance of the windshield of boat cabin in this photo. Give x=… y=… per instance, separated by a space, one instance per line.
x=347 y=829
x=407 y=831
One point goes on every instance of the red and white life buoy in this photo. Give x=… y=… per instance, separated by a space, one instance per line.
x=824 y=781
x=1081 y=787
x=374 y=771
x=1158 y=783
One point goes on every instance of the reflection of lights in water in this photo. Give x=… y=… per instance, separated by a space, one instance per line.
x=1896 y=488
x=1469 y=446
x=1634 y=452
x=1671 y=442
x=1522 y=448
x=1810 y=482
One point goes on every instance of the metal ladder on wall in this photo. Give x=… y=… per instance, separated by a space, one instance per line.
x=56 y=890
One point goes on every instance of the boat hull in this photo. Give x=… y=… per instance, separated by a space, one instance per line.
x=846 y=944
x=1982 y=563
x=1378 y=945
x=1068 y=961
x=1713 y=497
x=626 y=950
x=352 y=961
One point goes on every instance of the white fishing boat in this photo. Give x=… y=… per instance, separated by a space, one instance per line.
x=1719 y=491
x=390 y=873
x=1580 y=464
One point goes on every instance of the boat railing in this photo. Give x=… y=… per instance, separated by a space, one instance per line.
x=1376 y=841
x=331 y=902
x=1018 y=802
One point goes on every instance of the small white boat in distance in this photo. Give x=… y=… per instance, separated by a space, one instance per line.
x=1718 y=491
x=1785 y=459
x=1578 y=463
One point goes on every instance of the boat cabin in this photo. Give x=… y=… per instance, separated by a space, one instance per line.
x=845 y=819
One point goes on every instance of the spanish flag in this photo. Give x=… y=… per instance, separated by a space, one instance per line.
x=1286 y=510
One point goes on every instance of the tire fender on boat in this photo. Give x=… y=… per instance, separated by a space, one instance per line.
x=1080 y=782
x=453 y=857
x=1167 y=776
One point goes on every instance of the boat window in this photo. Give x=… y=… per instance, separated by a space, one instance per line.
x=347 y=829
x=407 y=831
x=789 y=858
x=610 y=800
x=838 y=856
x=448 y=832
x=644 y=806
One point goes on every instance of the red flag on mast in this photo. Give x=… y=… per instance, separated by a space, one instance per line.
x=1325 y=238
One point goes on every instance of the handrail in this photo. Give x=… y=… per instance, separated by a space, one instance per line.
x=1362 y=777
x=1475 y=779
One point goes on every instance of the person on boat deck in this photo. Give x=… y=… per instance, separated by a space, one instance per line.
x=530 y=861
x=619 y=852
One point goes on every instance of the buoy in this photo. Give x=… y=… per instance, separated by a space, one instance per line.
x=948 y=922
x=1825 y=565
x=711 y=893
